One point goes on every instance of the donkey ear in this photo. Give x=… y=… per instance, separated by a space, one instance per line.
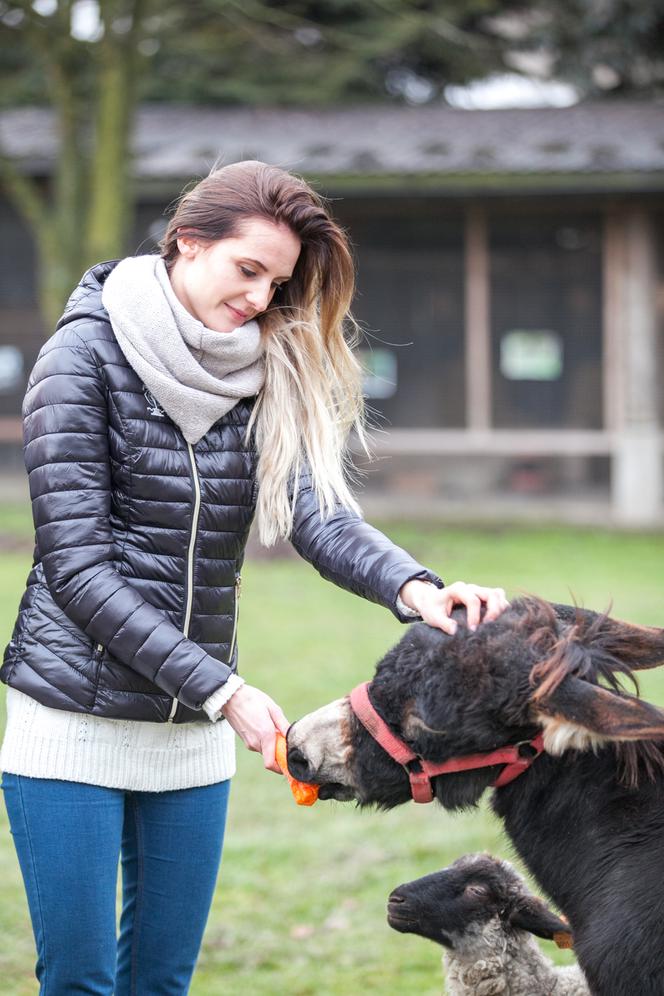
x=640 y=647
x=533 y=915
x=590 y=709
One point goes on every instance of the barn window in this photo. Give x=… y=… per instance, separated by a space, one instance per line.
x=545 y=273
x=410 y=302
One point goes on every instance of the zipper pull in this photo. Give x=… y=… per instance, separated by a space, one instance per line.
x=238 y=585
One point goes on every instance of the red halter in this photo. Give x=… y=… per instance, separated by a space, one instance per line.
x=420 y=779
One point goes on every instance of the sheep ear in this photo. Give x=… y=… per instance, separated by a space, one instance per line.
x=641 y=647
x=577 y=707
x=533 y=915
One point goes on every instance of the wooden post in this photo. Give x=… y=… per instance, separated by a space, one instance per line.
x=636 y=472
x=613 y=268
x=477 y=323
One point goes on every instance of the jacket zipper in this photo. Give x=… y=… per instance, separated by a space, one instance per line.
x=236 y=616
x=190 y=558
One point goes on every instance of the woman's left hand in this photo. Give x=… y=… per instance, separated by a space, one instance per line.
x=435 y=604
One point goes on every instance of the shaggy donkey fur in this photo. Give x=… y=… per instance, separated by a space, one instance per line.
x=482 y=912
x=587 y=818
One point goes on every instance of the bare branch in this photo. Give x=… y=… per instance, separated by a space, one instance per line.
x=263 y=15
x=25 y=195
x=440 y=25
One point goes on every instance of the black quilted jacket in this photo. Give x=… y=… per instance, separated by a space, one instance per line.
x=130 y=609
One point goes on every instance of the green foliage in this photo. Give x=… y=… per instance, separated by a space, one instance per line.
x=300 y=907
x=269 y=51
x=613 y=47
x=302 y=52
x=312 y=52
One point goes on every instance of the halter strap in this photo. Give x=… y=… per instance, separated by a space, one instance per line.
x=517 y=758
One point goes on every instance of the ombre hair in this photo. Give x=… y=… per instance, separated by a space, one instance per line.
x=312 y=395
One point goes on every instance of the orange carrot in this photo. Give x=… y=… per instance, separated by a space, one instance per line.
x=303 y=793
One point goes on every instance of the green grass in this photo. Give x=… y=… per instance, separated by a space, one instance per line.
x=15 y=521
x=300 y=907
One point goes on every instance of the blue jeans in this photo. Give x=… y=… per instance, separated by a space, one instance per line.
x=70 y=837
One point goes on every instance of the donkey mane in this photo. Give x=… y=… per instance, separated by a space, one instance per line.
x=589 y=648
x=586 y=649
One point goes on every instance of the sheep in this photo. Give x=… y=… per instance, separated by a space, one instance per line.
x=586 y=812
x=482 y=912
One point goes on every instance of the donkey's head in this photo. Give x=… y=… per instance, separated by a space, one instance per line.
x=539 y=668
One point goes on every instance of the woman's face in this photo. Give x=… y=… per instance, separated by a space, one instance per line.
x=226 y=283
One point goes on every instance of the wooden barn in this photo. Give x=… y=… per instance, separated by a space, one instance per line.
x=510 y=282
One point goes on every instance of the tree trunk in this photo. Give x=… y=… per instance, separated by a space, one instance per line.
x=54 y=272
x=109 y=213
x=108 y=210
x=56 y=277
x=61 y=245
x=84 y=214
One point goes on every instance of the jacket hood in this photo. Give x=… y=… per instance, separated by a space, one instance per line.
x=85 y=300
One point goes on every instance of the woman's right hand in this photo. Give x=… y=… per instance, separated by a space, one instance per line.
x=256 y=718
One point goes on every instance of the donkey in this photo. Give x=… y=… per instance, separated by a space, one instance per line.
x=533 y=704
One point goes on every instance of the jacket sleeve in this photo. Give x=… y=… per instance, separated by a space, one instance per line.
x=354 y=555
x=65 y=424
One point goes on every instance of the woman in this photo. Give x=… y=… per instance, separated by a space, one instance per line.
x=180 y=394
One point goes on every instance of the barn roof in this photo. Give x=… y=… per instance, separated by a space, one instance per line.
x=594 y=142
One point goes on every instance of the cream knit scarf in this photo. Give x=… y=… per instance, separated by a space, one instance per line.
x=196 y=375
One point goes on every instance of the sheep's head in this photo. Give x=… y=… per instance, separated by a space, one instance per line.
x=471 y=907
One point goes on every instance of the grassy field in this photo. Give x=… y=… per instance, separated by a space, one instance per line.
x=300 y=907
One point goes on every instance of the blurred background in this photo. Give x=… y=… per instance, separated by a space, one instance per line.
x=499 y=167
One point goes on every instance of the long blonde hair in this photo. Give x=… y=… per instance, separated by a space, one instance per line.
x=312 y=395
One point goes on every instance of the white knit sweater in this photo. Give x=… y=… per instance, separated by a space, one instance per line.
x=41 y=742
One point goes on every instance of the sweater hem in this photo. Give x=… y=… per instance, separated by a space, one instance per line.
x=44 y=743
